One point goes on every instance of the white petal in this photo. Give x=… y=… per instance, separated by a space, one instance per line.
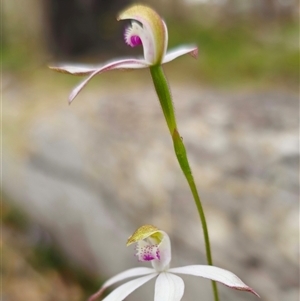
x=126 y=289
x=168 y=287
x=75 y=69
x=121 y=64
x=166 y=38
x=179 y=51
x=122 y=276
x=214 y=273
x=164 y=252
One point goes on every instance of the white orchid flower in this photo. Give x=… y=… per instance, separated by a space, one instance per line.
x=154 y=245
x=147 y=29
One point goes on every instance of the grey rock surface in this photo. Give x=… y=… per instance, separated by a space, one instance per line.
x=92 y=172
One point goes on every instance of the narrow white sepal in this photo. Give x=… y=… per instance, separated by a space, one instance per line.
x=141 y=271
x=179 y=51
x=214 y=273
x=75 y=69
x=127 y=288
x=121 y=64
x=168 y=287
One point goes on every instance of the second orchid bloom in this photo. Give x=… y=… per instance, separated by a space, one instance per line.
x=154 y=245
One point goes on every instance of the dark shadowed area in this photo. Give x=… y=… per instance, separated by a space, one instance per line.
x=78 y=180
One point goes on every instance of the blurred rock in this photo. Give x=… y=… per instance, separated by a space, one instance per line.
x=93 y=172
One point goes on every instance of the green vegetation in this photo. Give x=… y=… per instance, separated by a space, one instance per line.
x=242 y=53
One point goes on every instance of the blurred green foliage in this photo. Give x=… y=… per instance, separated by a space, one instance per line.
x=242 y=53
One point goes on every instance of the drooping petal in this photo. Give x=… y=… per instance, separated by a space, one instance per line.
x=127 y=288
x=122 y=276
x=120 y=64
x=168 y=287
x=75 y=69
x=153 y=31
x=179 y=51
x=214 y=273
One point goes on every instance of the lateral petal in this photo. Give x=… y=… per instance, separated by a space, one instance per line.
x=122 y=276
x=214 y=273
x=179 y=51
x=75 y=69
x=168 y=287
x=128 y=64
x=127 y=288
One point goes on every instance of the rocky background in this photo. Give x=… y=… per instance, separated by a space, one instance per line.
x=89 y=174
x=78 y=180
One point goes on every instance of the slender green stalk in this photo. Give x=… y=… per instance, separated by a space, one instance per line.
x=165 y=99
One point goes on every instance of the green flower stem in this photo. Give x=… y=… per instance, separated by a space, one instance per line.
x=165 y=99
x=164 y=95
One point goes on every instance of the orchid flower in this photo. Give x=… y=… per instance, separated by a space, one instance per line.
x=154 y=245
x=149 y=30
x=146 y=29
